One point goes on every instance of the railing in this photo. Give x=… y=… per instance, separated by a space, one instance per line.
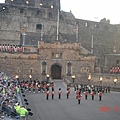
x=25 y=103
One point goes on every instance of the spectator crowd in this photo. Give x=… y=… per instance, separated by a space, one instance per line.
x=10 y=105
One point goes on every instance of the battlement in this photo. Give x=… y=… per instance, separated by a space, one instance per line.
x=58 y=45
x=54 y=4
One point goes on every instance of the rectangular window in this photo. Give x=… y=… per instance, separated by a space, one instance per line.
x=57 y=55
x=39 y=26
x=117 y=61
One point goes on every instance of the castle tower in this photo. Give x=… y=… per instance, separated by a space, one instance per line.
x=55 y=4
x=21 y=2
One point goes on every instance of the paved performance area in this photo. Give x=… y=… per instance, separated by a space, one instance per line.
x=69 y=109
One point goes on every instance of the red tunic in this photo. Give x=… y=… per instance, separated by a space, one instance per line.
x=47 y=93
x=79 y=97
x=59 y=92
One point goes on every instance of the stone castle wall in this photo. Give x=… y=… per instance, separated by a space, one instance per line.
x=24 y=65
x=105 y=38
x=16 y=20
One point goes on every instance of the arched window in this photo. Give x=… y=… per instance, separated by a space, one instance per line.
x=50 y=15
x=39 y=26
x=21 y=10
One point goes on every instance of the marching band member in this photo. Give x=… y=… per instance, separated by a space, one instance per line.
x=67 y=93
x=47 y=94
x=100 y=95
x=92 y=94
x=52 y=93
x=59 y=93
x=34 y=87
x=77 y=92
x=86 y=94
x=79 y=97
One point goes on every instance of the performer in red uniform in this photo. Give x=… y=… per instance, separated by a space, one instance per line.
x=59 y=93
x=79 y=97
x=77 y=92
x=34 y=87
x=92 y=94
x=29 y=87
x=68 y=87
x=100 y=95
x=47 y=94
x=67 y=93
x=86 y=94
x=52 y=93
x=52 y=85
x=39 y=87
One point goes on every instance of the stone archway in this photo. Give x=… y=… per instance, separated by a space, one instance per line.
x=56 y=71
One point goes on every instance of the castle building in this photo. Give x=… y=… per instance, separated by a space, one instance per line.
x=55 y=42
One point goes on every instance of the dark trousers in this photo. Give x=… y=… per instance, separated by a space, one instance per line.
x=47 y=97
x=100 y=98
x=92 y=97
x=52 y=96
x=67 y=96
x=59 y=96
x=86 y=97
x=78 y=101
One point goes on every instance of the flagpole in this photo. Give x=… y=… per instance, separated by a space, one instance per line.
x=58 y=25
x=42 y=32
x=92 y=45
x=76 y=32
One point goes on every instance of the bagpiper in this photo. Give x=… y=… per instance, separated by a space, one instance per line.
x=39 y=87
x=59 y=93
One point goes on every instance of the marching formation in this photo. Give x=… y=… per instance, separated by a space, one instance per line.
x=80 y=90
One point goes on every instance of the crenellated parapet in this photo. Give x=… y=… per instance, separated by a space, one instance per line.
x=58 y=45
